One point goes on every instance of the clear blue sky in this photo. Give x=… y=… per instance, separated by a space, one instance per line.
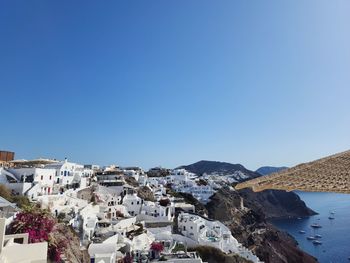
x=172 y=82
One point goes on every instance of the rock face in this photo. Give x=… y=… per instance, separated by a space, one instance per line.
x=221 y=168
x=276 y=203
x=248 y=224
x=73 y=253
x=145 y=193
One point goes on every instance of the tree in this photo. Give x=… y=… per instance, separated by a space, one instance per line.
x=5 y=192
x=20 y=200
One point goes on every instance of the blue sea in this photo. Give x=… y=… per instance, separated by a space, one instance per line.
x=335 y=233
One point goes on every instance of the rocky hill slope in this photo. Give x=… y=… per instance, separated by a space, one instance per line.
x=276 y=203
x=247 y=221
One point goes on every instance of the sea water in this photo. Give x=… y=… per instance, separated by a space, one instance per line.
x=335 y=233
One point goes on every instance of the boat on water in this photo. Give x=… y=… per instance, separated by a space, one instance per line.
x=318 y=236
x=331 y=215
x=302 y=232
x=317 y=242
x=311 y=238
x=316 y=225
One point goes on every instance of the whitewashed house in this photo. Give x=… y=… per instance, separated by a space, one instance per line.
x=30 y=182
x=44 y=177
x=180 y=176
x=67 y=174
x=133 y=203
x=110 y=202
x=102 y=253
x=158 y=211
x=212 y=233
x=156 y=181
x=132 y=173
x=13 y=252
x=201 y=192
x=142 y=179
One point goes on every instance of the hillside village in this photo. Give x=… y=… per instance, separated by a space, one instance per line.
x=119 y=214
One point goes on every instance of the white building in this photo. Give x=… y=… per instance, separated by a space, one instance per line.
x=201 y=192
x=180 y=176
x=132 y=173
x=212 y=233
x=30 y=182
x=87 y=217
x=66 y=173
x=103 y=253
x=44 y=177
x=158 y=211
x=133 y=203
x=156 y=181
x=142 y=179
x=11 y=252
x=110 y=202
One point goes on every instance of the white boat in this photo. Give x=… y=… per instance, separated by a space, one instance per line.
x=318 y=236
x=302 y=232
x=317 y=242
x=316 y=225
x=311 y=238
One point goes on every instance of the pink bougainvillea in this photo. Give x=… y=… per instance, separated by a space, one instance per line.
x=158 y=247
x=40 y=226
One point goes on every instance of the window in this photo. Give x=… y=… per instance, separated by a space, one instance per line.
x=42 y=177
x=138 y=202
x=132 y=203
x=50 y=177
x=191 y=227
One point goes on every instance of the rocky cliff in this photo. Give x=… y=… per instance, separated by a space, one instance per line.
x=73 y=253
x=248 y=222
x=276 y=203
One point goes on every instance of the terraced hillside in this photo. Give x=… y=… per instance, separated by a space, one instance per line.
x=329 y=174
